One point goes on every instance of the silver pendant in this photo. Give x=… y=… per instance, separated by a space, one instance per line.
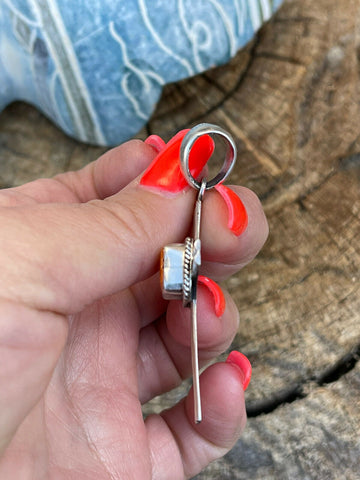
x=180 y=262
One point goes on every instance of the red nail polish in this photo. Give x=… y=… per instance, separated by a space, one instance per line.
x=165 y=173
x=156 y=142
x=242 y=363
x=238 y=218
x=216 y=292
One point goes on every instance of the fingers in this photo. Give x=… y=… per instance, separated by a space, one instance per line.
x=101 y=247
x=224 y=252
x=190 y=447
x=76 y=254
x=110 y=173
x=97 y=180
x=30 y=345
x=164 y=358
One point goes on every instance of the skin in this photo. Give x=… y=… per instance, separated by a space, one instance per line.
x=85 y=337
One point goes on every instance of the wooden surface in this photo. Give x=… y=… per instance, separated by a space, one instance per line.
x=291 y=99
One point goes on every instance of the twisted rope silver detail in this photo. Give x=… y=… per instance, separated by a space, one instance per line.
x=187 y=280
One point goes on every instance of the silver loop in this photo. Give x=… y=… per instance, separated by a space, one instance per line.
x=187 y=144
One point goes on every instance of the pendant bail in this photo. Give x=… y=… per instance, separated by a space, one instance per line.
x=187 y=144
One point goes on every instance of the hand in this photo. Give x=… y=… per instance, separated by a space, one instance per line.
x=85 y=337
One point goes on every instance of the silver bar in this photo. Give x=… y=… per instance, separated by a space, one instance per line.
x=194 y=335
x=195 y=363
x=197 y=212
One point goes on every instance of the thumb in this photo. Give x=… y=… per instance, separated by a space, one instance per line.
x=70 y=255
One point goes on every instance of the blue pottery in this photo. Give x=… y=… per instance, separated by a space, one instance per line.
x=97 y=67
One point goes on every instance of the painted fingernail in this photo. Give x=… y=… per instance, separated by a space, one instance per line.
x=242 y=364
x=164 y=173
x=217 y=293
x=156 y=142
x=237 y=215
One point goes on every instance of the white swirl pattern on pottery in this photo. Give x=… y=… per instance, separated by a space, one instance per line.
x=157 y=37
x=143 y=76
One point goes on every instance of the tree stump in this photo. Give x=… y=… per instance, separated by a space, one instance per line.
x=291 y=100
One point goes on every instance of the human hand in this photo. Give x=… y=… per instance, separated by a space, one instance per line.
x=85 y=337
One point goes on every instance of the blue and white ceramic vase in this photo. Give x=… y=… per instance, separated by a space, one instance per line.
x=97 y=67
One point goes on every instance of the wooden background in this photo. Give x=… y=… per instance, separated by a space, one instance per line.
x=291 y=100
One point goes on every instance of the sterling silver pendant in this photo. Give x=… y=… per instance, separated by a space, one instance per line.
x=180 y=262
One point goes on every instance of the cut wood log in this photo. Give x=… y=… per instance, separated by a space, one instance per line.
x=313 y=438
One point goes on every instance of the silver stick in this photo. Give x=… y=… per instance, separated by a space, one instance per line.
x=195 y=363
x=194 y=336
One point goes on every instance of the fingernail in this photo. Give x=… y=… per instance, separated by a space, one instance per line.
x=164 y=173
x=217 y=293
x=156 y=142
x=237 y=215
x=242 y=364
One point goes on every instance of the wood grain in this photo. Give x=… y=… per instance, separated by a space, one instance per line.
x=291 y=100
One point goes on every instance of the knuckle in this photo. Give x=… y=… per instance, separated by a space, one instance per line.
x=128 y=224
